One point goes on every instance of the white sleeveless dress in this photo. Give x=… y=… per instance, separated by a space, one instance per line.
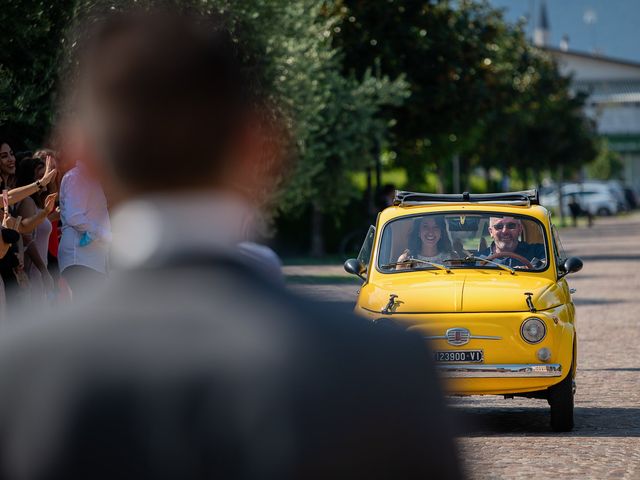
x=41 y=240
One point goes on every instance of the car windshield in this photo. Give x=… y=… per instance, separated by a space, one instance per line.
x=462 y=240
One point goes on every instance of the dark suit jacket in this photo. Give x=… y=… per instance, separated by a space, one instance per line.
x=200 y=369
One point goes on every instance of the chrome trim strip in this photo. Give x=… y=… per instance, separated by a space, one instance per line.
x=471 y=337
x=525 y=370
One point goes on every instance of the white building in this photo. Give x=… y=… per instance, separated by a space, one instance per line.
x=613 y=86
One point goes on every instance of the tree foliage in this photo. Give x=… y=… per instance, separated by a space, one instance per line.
x=32 y=37
x=334 y=117
x=607 y=165
x=428 y=81
x=479 y=90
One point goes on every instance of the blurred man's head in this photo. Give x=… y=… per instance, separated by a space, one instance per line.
x=505 y=232
x=164 y=101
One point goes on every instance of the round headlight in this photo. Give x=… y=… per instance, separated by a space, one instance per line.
x=533 y=330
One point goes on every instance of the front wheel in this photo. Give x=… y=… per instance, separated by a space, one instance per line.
x=560 y=398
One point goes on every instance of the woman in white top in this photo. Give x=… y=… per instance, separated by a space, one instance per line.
x=36 y=242
x=86 y=230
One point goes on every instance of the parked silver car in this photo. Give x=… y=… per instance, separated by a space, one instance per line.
x=597 y=198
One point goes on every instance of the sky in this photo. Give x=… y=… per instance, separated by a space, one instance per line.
x=615 y=31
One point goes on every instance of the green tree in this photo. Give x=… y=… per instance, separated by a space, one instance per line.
x=333 y=118
x=32 y=40
x=607 y=165
x=540 y=124
x=479 y=91
x=448 y=51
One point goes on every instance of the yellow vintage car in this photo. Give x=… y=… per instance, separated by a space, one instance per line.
x=481 y=277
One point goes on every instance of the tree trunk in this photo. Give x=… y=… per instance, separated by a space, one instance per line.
x=370 y=195
x=505 y=183
x=456 y=163
x=487 y=179
x=465 y=173
x=560 y=182
x=376 y=155
x=317 y=234
x=538 y=178
x=525 y=177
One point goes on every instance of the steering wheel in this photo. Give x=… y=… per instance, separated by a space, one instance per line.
x=526 y=263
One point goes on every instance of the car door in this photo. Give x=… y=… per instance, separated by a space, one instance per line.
x=366 y=250
x=560 y=257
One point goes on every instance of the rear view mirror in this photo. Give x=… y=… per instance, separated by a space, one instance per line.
x=572 y=265
x=355 y=267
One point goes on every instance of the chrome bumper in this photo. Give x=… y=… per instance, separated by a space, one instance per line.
x=530 y=370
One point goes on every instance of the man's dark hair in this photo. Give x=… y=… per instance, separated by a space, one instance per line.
x=168 y=93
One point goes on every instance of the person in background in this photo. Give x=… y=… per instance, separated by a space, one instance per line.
x=36 y=243
x=7 y=176
x=385 y=196
x=62 y=290
x=85 y=232
x=14 y=277
x=8 y=237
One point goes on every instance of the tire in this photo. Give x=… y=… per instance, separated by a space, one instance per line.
x=560 y=399
x=604 y=212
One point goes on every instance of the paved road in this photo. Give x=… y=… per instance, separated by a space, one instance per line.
x=511 y=438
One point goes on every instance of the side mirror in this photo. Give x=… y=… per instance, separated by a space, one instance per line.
x=355 y=267
x=572 y=265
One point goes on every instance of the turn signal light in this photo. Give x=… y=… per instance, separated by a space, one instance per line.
x=544 y=354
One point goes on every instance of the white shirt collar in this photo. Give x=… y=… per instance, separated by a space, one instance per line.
x=150 y=229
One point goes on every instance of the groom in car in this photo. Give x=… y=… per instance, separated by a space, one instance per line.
x=507 y=246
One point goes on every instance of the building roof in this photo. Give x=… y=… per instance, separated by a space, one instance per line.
x=592 y=56
x=614 y=91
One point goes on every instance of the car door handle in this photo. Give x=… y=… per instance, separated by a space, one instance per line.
x=572 y=290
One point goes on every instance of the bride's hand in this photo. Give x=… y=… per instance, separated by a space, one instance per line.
x=405 y=256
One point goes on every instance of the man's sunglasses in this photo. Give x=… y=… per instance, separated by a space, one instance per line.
x=508 y=225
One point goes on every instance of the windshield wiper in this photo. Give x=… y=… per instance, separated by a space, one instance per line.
x=418 y=260
x=471 y=258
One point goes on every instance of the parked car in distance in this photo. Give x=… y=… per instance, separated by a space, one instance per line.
x=617 y=189
x=632 y=197
x=597 y=198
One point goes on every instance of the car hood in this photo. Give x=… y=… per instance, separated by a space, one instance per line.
x=461 y=292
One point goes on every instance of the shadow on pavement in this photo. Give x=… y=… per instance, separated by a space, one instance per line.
x=609 y=257
x=624 y=369
x=596 y=301
x=346 y=307
x=518 y=421
x=322 y=280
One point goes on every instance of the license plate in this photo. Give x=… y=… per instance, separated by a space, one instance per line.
x=460 y=356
